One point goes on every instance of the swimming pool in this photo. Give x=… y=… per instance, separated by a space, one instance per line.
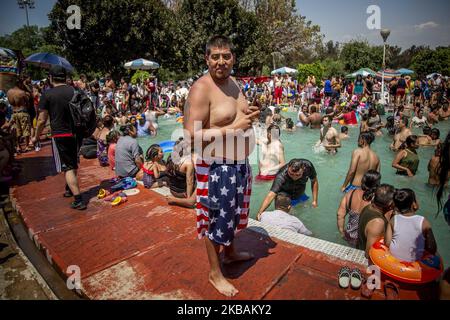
x=331 y=170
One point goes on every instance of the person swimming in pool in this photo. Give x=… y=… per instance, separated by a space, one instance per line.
x=272 y=154
x=329 y=137
x=363 y=160
x=291 y=180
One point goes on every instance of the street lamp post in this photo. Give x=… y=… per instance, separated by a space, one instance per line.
x=384 y=34
x=26 y=4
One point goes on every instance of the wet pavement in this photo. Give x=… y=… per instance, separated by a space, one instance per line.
x=145 y=249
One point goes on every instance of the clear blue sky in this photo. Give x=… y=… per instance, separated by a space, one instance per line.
x=411 y=21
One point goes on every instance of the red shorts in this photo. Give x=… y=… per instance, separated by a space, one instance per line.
x=400 y=92
x=265 y=178
x=278 y=93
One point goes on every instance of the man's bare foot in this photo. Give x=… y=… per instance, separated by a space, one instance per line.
x=222 y=285
x=238 y=256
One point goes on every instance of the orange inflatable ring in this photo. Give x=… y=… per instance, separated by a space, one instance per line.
x=180 y=119
x=341 y=122
x=428 y=269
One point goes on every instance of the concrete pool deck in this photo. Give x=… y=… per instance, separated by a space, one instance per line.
x=145 y=249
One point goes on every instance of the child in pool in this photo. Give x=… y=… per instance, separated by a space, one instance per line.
x=409 y=235
x=154 y=168
x=344 y=133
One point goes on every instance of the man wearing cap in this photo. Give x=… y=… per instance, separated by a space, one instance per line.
x=54 y=103
x=291 y=180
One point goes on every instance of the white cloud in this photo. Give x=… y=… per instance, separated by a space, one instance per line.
x=426 y=25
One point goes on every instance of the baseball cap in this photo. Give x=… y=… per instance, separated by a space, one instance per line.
x=57 y=71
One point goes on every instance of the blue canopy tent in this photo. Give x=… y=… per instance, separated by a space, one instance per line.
x=405 y=71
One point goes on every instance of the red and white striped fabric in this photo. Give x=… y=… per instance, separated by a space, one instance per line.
x=202 y=175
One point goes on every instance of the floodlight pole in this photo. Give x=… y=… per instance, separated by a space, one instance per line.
x=384 y=34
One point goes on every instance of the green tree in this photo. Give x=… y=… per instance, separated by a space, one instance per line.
x=314 y=69
x=113 y=32
x=428 y=61
x=333 y=68
x=29 y=40
x=359 y=54
x=198 y=20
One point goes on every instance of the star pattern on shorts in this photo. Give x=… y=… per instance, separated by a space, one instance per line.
x=215 y=177
x=224 y=191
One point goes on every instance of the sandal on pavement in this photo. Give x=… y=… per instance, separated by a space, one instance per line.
x=344 y=277
x=356 y=279
x=391 y=290
x=119 y=200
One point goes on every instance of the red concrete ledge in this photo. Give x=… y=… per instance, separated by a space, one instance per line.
x=144 y=249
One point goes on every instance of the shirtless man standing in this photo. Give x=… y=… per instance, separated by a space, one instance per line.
x=329 y=137
x=217 y=109
x=314 y=119
x=403 y=133
x=363 y=160
x=19 y=99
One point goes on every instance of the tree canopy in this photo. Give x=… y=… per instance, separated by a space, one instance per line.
x=267 y=34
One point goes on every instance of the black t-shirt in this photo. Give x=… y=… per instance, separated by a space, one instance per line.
x=283 y=183
x=369 y=86
x=401 y=84
x=56 y=102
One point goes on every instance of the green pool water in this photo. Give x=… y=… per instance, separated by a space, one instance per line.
x=331 y=170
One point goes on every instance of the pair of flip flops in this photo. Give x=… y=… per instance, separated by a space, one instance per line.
x=350 y=278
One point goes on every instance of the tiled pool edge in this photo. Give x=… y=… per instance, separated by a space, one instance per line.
x=311 y=243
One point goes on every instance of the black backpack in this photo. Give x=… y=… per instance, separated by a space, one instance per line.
x=83 y=114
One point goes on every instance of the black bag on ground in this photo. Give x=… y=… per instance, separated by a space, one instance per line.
x=83 y=114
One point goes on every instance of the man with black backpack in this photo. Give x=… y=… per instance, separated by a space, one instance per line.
x=58 y=103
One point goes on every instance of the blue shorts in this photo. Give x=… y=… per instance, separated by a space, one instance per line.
x=351 y=187
x=303 y=198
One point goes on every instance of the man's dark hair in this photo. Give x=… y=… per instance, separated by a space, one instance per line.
x=296 y=165
x=384 y=196
x=404 y=119
x=218 y=41
x=436 y=132
x=404 y=199
x=426 y=130
x=313 y=109
x=368 y=137
x=282 y=201
x=344 y=129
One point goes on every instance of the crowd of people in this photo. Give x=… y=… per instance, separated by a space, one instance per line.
x=369 y=209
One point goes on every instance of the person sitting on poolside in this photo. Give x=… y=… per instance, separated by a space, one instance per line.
x=374 y=218
x=154 y=169
x=344 y=133
x=291 y=180
x=363 y=160
x=181 y=176
x=282 y=218
x=128 y=154
x=272 y=154
x=408 y=235
x=353 y=203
